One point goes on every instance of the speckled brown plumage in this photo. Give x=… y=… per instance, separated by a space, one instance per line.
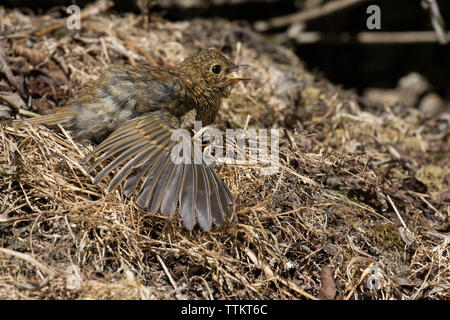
x=132 y=111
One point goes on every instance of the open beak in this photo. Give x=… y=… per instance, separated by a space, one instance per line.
x=235 y=80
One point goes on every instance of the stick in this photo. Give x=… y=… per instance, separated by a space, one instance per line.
x=174 y=285
x=143 y=52
x=306 y=15
x=369 y=37
x=398 y=213
x=29 y=259
x=4 y=68
x=436 y=20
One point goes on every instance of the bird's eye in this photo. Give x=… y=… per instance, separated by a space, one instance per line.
x=216 y=69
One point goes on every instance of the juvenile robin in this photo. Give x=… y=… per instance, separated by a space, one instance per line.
x=131 y=111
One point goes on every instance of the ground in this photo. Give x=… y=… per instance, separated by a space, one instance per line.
x=358 y=209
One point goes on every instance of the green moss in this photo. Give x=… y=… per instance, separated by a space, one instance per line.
x=311 y=97
x=387 y=236
x=432 y=176
x=339 y=132
x=438 y=156
x=60 y=33
x=413 y=144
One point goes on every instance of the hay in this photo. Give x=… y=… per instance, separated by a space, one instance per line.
x=361 y=199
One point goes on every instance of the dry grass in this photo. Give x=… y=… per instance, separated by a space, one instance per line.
x=362 y=193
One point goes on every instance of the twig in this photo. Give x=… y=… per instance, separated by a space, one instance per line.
x=398 y=37
x=436 y=20
x=211 y=297
x=142 y=51
x=302 y=16
x=174 y=285
x=4 y=68
x=96 y=8
x=105 y=50
x=365 y=206
x=257 y=206
x=10 y=103
x=17 y=108
x=27 y=286
x=363 y=275
x=367 y=37
x=398 y=213
x=29 y=259
x=432 y=207
x=71 y=140
x=422 y=286
x=271 y=275
x=297 y=289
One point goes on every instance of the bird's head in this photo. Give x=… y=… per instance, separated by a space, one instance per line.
x=215 y=69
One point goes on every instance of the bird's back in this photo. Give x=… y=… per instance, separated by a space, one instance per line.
x=123 y=93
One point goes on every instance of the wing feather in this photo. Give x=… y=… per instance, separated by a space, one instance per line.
x=141 y=150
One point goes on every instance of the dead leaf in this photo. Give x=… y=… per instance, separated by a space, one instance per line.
x=328 y=287
x=414 y=184
x=407 y=236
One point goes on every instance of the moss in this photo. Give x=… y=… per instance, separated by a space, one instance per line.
x=60 y=33
x=413 y=144
x=339 y=132
x=387 y=236
x=432 y=176
x=438 y=156
x=311 y=97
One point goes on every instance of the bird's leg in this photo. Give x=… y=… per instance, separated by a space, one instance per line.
x=188 y=119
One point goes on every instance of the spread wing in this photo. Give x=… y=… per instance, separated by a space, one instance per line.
x=142 y=148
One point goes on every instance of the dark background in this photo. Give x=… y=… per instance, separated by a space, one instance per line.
x=351 y=64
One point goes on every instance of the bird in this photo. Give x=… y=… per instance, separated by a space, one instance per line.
x=130 y=113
